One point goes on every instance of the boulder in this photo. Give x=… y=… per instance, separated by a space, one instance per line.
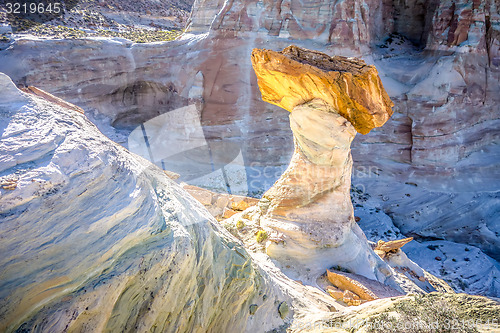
x=346 y=283
x=296 y=75
x=335 y=292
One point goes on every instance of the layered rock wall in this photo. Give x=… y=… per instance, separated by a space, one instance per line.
x=442 y=136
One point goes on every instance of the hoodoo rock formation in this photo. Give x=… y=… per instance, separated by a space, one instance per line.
x=330 y=98
x=433 y=171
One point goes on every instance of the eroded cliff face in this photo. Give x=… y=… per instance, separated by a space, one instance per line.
x=445 y=128
x=438 y=60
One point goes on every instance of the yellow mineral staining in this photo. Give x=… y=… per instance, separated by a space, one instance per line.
x=296 y=76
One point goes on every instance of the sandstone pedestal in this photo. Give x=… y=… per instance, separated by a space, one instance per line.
x=309 y=207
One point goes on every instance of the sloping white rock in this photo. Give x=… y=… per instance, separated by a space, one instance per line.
x=95 y=238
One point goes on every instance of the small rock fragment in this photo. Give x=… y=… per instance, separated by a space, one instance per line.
x=222 y=201
x=392 y=245
x=351 y=298
x=9 y=184
x=202 y=195
x=172 y=175
x=346 y=283
x=228 y=213
x=253 y=309
x=283 y=310
x=380 y=253
x=242 y=203
x=335 y=292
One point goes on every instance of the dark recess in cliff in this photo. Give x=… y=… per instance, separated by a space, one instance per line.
x=413 y=19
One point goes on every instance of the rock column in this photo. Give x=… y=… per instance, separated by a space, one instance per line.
x=314 y=190
x=309 y=208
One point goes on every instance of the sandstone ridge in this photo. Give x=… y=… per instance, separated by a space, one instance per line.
x=126 y=239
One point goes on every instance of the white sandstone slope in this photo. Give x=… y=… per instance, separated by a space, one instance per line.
x=95 y=238
x=464 y=267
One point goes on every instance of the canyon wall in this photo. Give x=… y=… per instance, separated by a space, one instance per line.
x=433 y=167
